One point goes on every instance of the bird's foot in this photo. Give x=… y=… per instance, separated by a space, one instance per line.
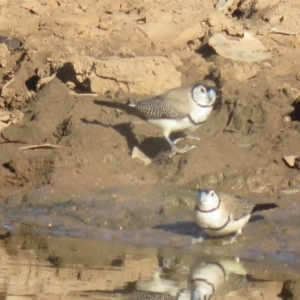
x=230 y=241
x=168 y=263
x=197 y=240
x=187 y=137
x=176 y=150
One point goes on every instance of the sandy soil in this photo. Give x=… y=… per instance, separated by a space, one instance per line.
x=57 y=57
x=129 y=50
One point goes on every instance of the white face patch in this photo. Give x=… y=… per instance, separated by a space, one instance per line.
x=203 y=96
x=208 y=200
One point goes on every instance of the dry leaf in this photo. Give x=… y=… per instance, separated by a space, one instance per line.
x=281 y=31
x=9 y=117
x=44 y=81
x=290 y=160
x=137 y=153
x=291 y=191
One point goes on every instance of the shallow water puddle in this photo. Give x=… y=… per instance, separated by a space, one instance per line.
x=43 y=267
x=155 y=218
x=124 y=246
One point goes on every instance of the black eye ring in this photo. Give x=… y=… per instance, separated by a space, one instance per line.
x=202 y=89
x=212 y=194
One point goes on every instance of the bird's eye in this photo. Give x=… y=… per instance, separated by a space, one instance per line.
x=202 y=89
x=212 y=194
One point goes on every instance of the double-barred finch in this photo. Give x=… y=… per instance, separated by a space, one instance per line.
x=158 y=288
x=220 y=214
x=177 y=110
x=216 y=277
x=144 y=295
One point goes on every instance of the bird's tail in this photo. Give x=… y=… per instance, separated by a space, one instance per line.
x=264 y=206
x=129 y=108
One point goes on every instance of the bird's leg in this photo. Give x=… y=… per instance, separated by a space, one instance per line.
x=174 y=148
x=199 y=239
x=232 y=239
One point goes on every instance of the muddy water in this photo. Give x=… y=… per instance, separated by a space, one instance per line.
x=129 y=244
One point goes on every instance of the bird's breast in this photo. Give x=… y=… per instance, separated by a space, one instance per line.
x=212 y=273
x=215 y=219
x=200 y=114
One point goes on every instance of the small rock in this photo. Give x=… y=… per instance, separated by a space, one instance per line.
x=248 y=48
x=11 y=43
x=103 y=26
x=140 y=75
x=3 y=63
x=4 y=52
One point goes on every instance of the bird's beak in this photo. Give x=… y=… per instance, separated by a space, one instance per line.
x=202 y=195
x=212 y=95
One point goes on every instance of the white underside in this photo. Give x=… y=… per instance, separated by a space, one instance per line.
x=217 y=219
x=169 y=125
x=160 y=285
x=198 y=114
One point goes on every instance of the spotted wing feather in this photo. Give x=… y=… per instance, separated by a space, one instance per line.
x=159 y=108
x=237 y=281
x=244 y=207
x=238 y=207
x=145 y=295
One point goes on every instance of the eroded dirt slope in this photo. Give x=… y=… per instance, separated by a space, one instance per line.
x=127 y=50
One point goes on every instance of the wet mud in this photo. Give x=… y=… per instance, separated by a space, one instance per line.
x=82 y=218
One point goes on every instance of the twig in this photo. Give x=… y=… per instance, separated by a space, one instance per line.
x=44 y=146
